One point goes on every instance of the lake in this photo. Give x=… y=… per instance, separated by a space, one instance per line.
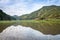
x=18 y=32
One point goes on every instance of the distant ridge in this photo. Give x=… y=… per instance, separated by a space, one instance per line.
x=46 y=12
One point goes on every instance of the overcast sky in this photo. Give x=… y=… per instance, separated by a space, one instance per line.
x=20 y=7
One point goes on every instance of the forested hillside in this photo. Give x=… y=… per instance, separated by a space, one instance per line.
x=46 y=12
x=4 y=16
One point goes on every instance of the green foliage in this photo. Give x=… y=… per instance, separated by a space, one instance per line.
x=46 y=12
x=5 y=24
x=4 y=16
x=50 y=26
x=50 y=12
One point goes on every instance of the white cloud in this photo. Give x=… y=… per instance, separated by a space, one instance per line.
x=4 y=1
x=20 y=7
x=17 y=9
x=37 y=6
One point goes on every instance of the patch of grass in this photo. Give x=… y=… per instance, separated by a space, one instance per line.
x=51 y=26
x=5 y=24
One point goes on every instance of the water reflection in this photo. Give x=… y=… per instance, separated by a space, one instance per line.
x=25 y=33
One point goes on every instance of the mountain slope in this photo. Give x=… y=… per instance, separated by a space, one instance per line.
x=4 y=16
x=49 y=12
x=46 y=12
x=16 y=17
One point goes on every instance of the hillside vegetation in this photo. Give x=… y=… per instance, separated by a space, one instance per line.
x=45 y=20
x=46 y=12
x=4 y=16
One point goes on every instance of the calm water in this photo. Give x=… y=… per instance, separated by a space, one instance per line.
x=25 y=33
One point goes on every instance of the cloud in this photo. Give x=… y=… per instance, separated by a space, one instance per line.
x=4 y=1
x=20 y=7
x=54 y=2
x=16 y=9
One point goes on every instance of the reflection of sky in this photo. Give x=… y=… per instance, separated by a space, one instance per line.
x=25 y=33
x=19 y=7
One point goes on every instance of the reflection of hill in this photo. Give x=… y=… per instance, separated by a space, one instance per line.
x=44 y=26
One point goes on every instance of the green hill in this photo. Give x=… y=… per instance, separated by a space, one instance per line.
x=46 y=12
x=4 y=16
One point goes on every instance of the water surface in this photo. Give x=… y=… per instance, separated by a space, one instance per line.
x=19 y=32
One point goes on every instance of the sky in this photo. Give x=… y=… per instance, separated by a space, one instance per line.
x=20 y=7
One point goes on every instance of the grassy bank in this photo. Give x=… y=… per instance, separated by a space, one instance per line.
x=5 y=24
x=45 y=26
